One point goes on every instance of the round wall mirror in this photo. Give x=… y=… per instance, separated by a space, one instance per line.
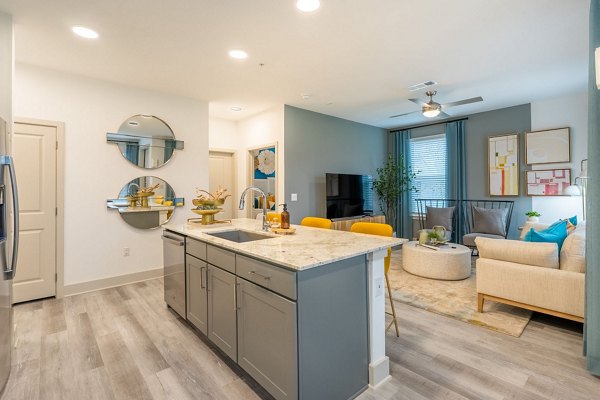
x=146 y=141
x=146 y=202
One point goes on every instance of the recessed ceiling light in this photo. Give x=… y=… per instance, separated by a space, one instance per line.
x=308 y=5
x=133 y=123
x=236 y=108
x=238 y=54
x=85 y=32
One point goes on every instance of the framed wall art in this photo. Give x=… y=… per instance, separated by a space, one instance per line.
x=503 y=165
x=550 y=182
x=263 y=174
x=548 y=147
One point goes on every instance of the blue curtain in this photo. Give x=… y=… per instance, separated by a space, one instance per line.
x=592 y=277
x=401 y=147
x=456 y=172
x=131 y=153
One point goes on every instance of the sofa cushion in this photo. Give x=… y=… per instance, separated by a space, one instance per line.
x=516 y=251
x=469 y=238
x=572 y=254
x=556 y=290
x=556 y=233
x=538 y=226
x=490 y=220
x=440 y=216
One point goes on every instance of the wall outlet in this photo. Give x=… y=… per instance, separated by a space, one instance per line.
x=294 y=197
x=125 y=251
x=379 y=287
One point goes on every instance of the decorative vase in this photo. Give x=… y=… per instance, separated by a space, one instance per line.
x=441 y=232
x=533 y=219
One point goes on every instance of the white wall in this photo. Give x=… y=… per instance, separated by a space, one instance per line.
x=260 y=129
x=6 y=66
x=95 y=171
x=223 y=134
x=565 y=111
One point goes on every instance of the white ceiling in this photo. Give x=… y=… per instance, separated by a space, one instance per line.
x=355 y=58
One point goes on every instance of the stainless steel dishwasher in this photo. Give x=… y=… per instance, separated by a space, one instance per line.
x=174 y=271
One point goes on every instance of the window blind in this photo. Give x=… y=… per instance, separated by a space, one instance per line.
x=429 y=159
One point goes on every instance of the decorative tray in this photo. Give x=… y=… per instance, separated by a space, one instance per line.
x=281 y=231
x=438 y=243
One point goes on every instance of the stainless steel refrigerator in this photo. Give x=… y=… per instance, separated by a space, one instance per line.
x=9 y=244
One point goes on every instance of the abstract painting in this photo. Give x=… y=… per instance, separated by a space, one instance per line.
x=549 y=146
x=552 y=182
x=503 y=165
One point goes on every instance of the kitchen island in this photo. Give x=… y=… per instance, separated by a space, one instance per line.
x=302 y=314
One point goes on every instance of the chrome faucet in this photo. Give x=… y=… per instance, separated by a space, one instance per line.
x=265 y=226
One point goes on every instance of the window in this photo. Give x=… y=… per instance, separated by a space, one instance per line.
x=429 y=158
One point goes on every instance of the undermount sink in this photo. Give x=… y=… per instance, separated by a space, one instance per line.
x=240 y=236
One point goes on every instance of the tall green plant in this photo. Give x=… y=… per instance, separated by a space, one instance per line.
x=393 y=179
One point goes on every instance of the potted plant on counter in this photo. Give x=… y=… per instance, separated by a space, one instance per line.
x=533 y=216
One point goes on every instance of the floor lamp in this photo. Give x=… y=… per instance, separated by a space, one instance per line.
x=580 y=188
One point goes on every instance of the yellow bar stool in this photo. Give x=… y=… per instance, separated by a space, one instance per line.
x=374 y=228
x=316 y=222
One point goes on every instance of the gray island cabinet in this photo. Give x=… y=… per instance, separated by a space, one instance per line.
x=301 y=333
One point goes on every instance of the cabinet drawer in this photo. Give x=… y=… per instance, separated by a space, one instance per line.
x=196 y=248
x=221 y=258
x=266 y=275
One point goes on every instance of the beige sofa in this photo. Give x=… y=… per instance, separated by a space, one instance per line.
x=532 y=275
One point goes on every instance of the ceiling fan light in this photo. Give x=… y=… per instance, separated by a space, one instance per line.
x=431 y=110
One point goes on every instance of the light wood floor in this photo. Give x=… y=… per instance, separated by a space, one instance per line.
x=123 y=343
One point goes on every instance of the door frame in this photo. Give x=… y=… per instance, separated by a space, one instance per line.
x=233 y=190
x=250 y=171
x=60 y=196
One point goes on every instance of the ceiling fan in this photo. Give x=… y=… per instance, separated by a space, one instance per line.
x=432 y=109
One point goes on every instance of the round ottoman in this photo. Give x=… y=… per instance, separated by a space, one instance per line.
x=446 y=263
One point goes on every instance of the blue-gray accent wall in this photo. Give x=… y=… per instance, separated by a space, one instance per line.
x=479 y=127
x=316 y=144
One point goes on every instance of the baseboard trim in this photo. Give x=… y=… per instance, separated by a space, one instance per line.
x=379 y=372
x=113 y=281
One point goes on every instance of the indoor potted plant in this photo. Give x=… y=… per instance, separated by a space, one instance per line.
x=393 y=179
x=533 y=216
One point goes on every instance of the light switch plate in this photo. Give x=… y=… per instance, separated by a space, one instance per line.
x=294 y=197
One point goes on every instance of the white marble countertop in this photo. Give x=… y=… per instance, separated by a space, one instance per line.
x=307 y=248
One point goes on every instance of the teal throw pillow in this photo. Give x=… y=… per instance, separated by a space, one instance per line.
x=556 y=233
x=572 y=220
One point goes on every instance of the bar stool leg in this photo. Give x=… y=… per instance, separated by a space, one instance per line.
x=394 y=321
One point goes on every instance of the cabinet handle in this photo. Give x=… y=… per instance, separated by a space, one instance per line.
x=235 y=307
x=257 y=274
x=208 y=279
x=237 y=287
x=202 y=284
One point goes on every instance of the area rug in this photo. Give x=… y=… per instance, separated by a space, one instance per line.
x=456 y=299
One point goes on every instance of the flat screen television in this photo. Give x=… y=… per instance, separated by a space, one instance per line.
x=348 y=195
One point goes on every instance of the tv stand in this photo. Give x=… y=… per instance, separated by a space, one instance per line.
x=344 y=224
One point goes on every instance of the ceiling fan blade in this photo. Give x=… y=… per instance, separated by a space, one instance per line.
x=444 y=115
x=465 y=101
x=418 y=102
x=401 y=115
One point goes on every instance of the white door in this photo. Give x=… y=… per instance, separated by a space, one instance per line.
x=34 y=153
x=222 y=173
